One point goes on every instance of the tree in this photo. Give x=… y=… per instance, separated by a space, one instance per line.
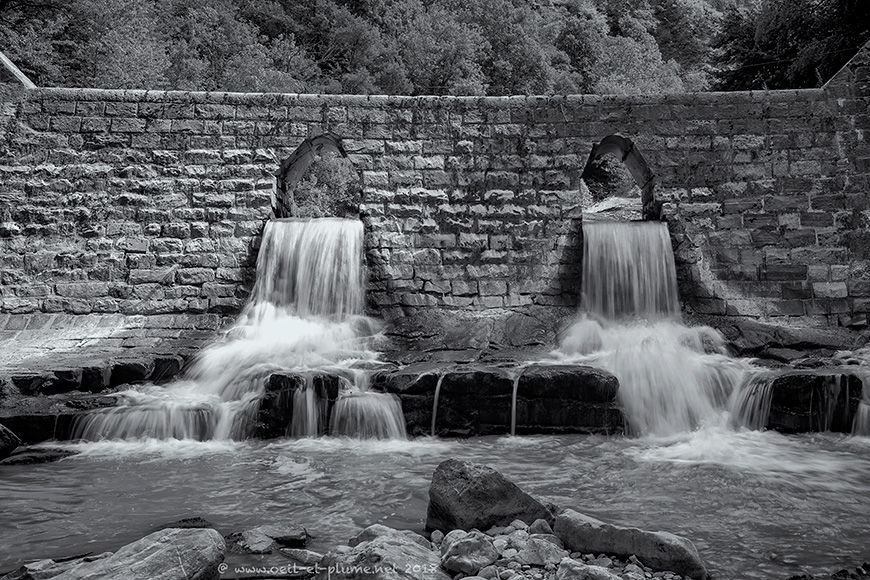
x=116 y=45
x=440 y=54
x=789 y=43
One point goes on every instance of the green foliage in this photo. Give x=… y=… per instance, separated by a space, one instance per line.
x=789 y=43
x=330 y=187
x=607 y=177
x=473 y=47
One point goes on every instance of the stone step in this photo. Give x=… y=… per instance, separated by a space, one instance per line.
x=477 y=400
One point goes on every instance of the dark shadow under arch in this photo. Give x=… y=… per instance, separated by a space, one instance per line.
x=294 y=167
x=624 y=149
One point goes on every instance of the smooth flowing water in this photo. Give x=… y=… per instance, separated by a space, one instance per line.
x=628 y=271
x=861 y=423
x=305 y=314
x=758 y=505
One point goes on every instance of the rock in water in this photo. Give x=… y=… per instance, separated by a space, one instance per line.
x=388 y=554
x=32 y=455
x=469 y=554
x=266 y=539
x=573 y=570
x=8 y=442
x=466 y=495
x=170 y=554
x=660 y=550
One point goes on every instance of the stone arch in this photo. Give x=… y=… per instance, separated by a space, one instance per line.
x=297 y=166
x=625 y=150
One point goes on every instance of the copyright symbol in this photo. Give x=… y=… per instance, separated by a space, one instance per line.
x=222 y=567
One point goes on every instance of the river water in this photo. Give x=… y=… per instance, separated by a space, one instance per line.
x=757 y=504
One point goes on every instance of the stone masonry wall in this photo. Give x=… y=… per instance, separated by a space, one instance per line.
x=151 y=202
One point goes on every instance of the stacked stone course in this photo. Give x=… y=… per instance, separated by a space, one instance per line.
x=151 y=202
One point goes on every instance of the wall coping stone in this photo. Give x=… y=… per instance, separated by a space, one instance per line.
x=138 y=95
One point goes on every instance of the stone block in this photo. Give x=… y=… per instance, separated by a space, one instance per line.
x=82 y=289
x=127 y=125
x=195 y=276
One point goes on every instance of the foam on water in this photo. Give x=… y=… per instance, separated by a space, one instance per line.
x=671 y=377
x=766 y=453
x=149 y=449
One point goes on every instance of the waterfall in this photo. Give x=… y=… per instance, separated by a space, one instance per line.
x=750 y=406
x=308 y=410
x=313 y=267
x=673 y=378
x=305 y=313
x=861 y=422
x=435 y=403
x=368 y=415
x=628 y=271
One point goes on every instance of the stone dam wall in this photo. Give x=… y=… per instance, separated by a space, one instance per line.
x=150 y=203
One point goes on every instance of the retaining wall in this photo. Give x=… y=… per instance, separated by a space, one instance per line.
x=151 y=202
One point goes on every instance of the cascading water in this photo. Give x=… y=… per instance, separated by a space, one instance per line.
x=861 y=423
x=629 y=271
x=673 y=378
x=305 y=313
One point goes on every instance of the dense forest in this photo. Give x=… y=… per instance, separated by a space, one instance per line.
x=473 y=47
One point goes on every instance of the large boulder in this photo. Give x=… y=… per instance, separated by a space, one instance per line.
x=8 y=442
x=466 y=495
x=387 y=554
x=659 y=550
x=170 y=554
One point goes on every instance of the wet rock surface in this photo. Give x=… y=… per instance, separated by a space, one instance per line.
x=275 y=413
x=466 y=495
x=819 y=400
x=475 y=399
x=567 y=399
x=858 y=573
x=34 y=455
x=749 y=337
x=8 y=442
x=267 y=539
x=41 y=418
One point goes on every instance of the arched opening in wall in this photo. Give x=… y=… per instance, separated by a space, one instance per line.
x=617 y=182
x=317 y=180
